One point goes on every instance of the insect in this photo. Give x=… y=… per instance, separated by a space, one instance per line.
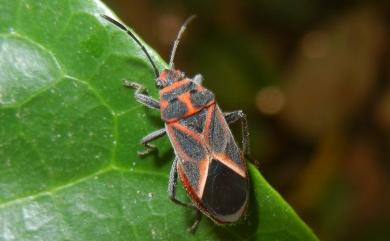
x=207 y=159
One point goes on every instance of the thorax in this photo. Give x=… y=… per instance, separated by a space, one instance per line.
x=182 y=99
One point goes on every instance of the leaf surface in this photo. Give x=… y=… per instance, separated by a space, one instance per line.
x=69 y=134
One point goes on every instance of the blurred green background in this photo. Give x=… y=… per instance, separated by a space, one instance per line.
x=314 y=79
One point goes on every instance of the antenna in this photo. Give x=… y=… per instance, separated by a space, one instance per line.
x=121 y=26
x=176 y=43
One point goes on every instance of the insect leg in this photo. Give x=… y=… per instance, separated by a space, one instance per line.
x=151 y=137
x=172 y=195
x=172 y=186
x=141 y=95
x=198 y=79
x=234 y=116
x=194 y=226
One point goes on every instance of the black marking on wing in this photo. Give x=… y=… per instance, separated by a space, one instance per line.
x=191 y=171
x=195 y=122
x=178 y=91
x=189 y=146
x=233 y=152
x=225 y=192
x=200 y=99
x=216 y=133
x=175 y=109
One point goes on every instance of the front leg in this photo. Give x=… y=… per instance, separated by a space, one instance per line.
x=234 y=116
x=141 y=95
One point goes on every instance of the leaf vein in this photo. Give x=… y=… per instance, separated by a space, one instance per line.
x=72 y=183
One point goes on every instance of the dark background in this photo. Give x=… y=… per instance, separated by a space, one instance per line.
x=314 y=78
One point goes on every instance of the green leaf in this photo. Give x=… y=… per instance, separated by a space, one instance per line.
x=69 y=134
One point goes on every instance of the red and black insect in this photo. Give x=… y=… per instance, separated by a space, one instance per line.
x=208 y=160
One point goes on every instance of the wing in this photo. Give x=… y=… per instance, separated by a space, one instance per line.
x=211 y=166
x=221 y=143
x=187 y=140
x=226 y=190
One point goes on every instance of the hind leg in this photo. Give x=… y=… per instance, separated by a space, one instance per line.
x=172 y=195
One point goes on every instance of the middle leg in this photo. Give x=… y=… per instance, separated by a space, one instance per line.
x=151 y=137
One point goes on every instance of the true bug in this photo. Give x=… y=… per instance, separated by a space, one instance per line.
x=208 y=161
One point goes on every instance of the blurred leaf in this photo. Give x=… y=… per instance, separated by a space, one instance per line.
x=324 y=85
x=69 y=133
